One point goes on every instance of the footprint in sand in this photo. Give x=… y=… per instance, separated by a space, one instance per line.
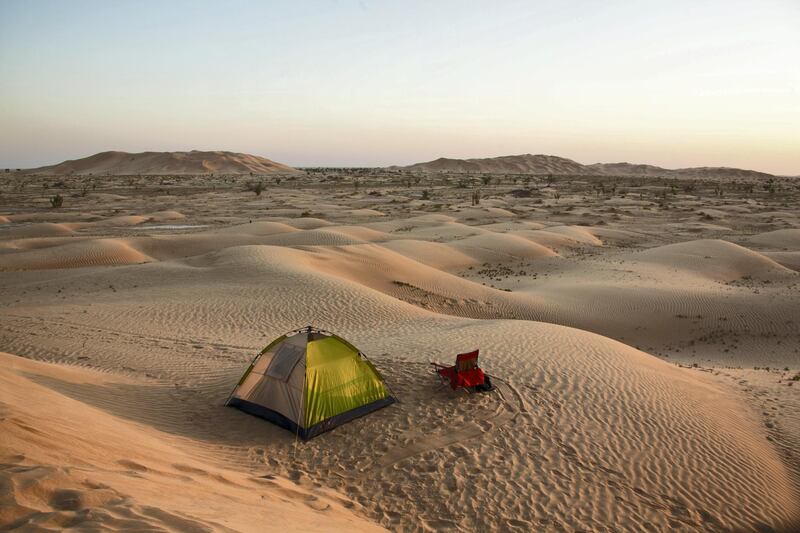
x=131 y=465
x=189 y=469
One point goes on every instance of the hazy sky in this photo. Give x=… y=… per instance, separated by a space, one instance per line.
x=376 y=83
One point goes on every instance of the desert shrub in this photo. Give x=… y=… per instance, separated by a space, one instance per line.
x=426 y=194
x=56 y=201
x=476 y=197
x=256 y=187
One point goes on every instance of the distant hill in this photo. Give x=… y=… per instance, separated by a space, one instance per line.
x=550 y=164
x=628 y=169
x=510 y=164
x=162 y=163
x=721 y=172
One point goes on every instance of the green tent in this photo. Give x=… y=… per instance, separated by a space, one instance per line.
x=310 y=381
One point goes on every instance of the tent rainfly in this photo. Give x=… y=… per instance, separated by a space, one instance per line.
x=309 y=381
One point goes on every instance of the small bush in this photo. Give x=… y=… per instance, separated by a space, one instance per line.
x=476 y=197
x=56 y=201
x=256 y=187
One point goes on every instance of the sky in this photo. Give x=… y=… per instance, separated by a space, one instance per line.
x=368 y=83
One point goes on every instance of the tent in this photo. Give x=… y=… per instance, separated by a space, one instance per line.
x=309 y=381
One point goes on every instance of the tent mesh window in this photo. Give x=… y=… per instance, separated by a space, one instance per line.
x=285 y=360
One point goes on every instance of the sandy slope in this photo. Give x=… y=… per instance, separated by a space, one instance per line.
x=685 y=295
x=72 y=464
x=541 y=451
x=585 y=431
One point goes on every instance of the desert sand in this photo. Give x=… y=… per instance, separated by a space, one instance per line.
x=643 y=334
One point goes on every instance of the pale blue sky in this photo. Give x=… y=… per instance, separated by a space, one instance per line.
x=672 y=83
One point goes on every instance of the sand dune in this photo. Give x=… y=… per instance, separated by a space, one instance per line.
x=82 y=467
x=40 y=229
x=790 y=260
x=550 y=164
x=437 y=255
x=527 y=163
x=782 y=239
x=161 y=163
x=491 y=247
x=164 y=216
x=431 y=275
x=717 y=260
x=628 y=169
x=545 y=429
x=141 y=327
x=79 y=254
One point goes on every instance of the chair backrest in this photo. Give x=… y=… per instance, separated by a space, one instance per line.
x=466 y=361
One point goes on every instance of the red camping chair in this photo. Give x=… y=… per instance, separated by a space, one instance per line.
x=465 y=373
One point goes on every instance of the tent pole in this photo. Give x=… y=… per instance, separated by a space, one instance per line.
x=302 y=404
